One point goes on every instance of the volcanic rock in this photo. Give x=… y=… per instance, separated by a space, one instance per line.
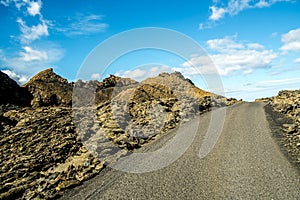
x=12 y=93
x=49 y=89
x=95 y=92
x=41 y=154
x=50 y=146
x=138 y=114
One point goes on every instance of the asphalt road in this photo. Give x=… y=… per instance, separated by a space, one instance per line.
x=245 y=163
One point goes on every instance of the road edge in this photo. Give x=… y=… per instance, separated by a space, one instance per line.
x=276 y=121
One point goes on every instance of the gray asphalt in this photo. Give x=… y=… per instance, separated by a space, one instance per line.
x=245 y=163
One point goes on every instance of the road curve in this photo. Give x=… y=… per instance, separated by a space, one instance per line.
x=245 y=163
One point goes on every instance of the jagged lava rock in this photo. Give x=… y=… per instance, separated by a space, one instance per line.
x=41 y=154
x=12 y=93
x=96 y=92
x=177 y=83
x=49 y=89
x=153 y=107
x=112 y=86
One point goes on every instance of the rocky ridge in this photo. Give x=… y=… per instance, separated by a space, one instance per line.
x=47 y=146
x=103 y=91
x=151 y=108
x=287 y=103
x=49 y=89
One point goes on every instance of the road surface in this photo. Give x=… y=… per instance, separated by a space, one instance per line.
x=245 y=163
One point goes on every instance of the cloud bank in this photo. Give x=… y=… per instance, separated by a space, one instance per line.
x=234 y=7
x=230 y=57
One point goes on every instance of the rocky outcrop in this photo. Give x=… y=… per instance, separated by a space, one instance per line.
x=12 y=93
x=264 y=100
x=115 y=81
x=94 y=92
x=112 y=86
x=49 y=89
x=139 y=114
x=288 y=104
x=179 y=85
x=183 y=87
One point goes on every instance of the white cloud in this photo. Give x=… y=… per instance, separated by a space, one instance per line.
x=255 y=46
x=34 y=7
x=29 y=33
x=248 y=71
x=135 y=74
x=96 y=76
x=273 y=35
x=258 y=89
x=234 y=7
x=19 y=4
x=31 y=54
x=84 y=25
x=31 y=60
x=262 y=4
x=5 y=2
x=26 y=59
x=217 y=13
x=21 y=79
x=230 y=57
x=207 y=25
x=32 y=33
x=291 y=40
x=297 y=60
x=224 y=44
x=144 y=72
x=278 y=82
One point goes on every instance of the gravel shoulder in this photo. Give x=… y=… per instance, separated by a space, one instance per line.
x=276 y=121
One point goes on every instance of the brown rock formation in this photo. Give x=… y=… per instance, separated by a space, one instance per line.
x=49 y=89
x=135 y=115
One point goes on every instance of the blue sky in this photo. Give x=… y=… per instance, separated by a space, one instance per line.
x=254 y=44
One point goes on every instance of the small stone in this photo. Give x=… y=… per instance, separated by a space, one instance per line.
x=279 y=119
x=87 y=162
x=290 y=128
x=288 y=125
